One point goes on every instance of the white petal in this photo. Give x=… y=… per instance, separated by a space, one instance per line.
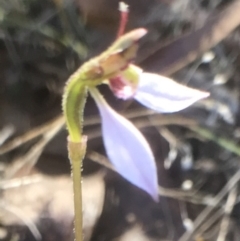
x=127 y=149
x=165 y=95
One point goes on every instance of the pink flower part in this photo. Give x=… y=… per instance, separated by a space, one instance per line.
x=127 y=149
x=120 y=88
x=165 y=95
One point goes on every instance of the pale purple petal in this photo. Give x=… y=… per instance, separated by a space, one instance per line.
x=165 y=95
x=127 y=149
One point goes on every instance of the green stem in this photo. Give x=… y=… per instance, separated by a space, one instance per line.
x=73 y=105
x=76 y=154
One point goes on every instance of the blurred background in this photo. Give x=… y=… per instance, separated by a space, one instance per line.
x=197 y=43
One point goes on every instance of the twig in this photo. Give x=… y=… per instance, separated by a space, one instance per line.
x=18 y=213
x=18 y=141
x=210 y=221
x=228 y=209
x=31 y=157
x=18 y=182
x=5 y=133
x=218 y=198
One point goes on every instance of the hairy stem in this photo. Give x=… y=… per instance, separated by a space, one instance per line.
x=73 y=105
x=76 y=153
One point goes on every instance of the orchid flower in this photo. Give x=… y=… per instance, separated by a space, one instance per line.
x=125 y=146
